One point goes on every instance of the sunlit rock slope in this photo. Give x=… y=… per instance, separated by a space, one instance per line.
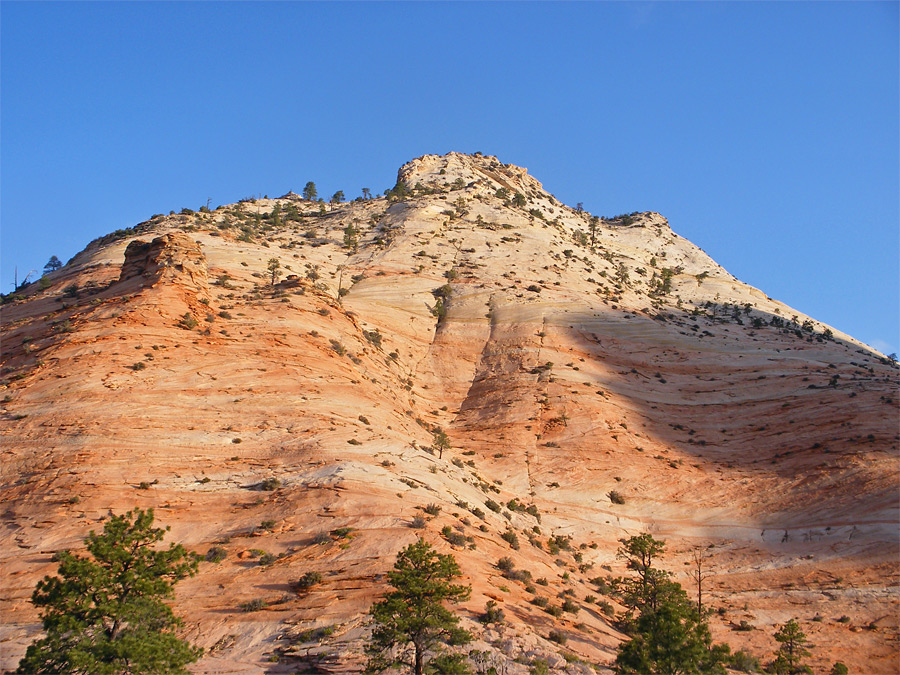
x=572 y=361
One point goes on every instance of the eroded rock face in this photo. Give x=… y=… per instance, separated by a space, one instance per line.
x=573 y=358
x=172 y=256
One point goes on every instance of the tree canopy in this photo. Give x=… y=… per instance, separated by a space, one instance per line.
x=411 y=622
x=668 y=633
x=104 y=614
x=309 y=191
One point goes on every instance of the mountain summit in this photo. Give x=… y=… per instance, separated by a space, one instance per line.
x=307 y=387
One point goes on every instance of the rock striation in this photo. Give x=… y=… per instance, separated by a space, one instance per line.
x=595 y=377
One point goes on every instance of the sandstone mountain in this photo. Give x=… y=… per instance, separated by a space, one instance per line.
x=595 y=378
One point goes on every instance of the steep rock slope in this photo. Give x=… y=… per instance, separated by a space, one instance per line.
x=573 y=362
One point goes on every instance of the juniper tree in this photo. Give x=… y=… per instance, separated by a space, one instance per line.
x=411 y=623
x=105 y=614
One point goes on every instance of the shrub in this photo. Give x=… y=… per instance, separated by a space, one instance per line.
x=432 y=509
x=518 y=575
x=505 y=564
x=557 y=637
x=187 y=321
x=492 y=505
x=307 y=581
x=315 y=634
x=216 y=554
x=253 y=605
x=569 y=606
x=270 y=484
x=616 y=497
x=322 y=538
x=455 y=538
x=418 y=522
x=492 y=613
x=744 y=662
x=511 y=538
x=267 y=558
x=342 y=532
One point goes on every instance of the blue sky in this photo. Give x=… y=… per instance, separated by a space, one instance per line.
x=766 y=132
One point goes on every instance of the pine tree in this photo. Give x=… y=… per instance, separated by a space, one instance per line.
x=411 y=622
x=105 y=614
x=52 y=265
x=309 y=192
x=669 y=635
x=274 y=268
x=790 y=655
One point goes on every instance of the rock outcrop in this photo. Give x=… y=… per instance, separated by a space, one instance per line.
x=168 y=257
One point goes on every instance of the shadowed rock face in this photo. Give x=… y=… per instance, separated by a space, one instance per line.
x=568 y=358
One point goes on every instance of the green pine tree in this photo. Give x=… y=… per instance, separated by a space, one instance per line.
x=274 y=267
x=669 y=635
x=104 y=614
x=790 y=655
x=411 y=622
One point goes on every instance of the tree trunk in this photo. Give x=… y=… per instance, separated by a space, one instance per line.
x=420 y=660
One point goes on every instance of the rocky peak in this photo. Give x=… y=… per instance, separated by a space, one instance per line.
x=460 y=169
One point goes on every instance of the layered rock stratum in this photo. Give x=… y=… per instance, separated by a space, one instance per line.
x=596 y=378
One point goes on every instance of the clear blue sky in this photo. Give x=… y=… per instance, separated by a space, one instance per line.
x=767 y=132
